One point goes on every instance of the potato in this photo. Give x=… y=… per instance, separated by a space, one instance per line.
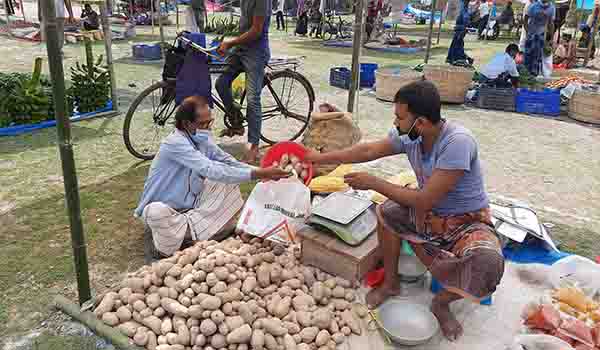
x=304 y=174
x=123 y=314
x=288 y=342
x=129 y=328
x=240 y=335
x=258 y=339
x=274 y=327
x=136 y=284
x=294 y=160
x=346 y=331
x=166 y=326
x=208 y=327
x=264 y=276
x=106 y=305
x=217 y=316
x=174 y=307
x=152 y=342
x=154 y=323
x=351 y=322
x=110 y=318
x=285 y=160
x=218 y=341
x=309 y=334
x=141 y=338
x=270 y=342
x=159 y=312
x=211 y=303
x=323 y=338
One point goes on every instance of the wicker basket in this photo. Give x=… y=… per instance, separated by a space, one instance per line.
x=452 y=82
x=389 y=80
x=585 y=106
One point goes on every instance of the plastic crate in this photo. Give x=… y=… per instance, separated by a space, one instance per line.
x=144 y=52
x=545 y=102
x=496 y=98
x=367 y=74
x=340 y=77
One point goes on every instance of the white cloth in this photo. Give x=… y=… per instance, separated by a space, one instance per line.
x=484 y=9
x=217 y=206
x=499 y=64
x=280 y=5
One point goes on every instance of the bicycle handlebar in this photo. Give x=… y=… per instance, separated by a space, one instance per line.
x=207 y=51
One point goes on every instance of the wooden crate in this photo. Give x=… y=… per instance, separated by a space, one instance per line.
x=330 y=254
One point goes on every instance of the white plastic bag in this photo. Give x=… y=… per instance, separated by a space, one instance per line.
x=576 y=270
x=539 y=342
x=276 y=210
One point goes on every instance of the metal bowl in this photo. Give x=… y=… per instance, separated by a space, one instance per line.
x=410 y=268
x=407 y=323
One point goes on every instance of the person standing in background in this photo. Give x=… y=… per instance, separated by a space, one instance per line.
x=250 y=55
x=539 y=19
x=456 y=53
x=523 y=30
x=484 y=16
x=60 y=6
x=302 y=23
x=90 y=18
x=279 y=15
x=199 y=10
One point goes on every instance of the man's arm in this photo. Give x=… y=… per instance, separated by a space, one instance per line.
x=526 y=23
x=437 y=187
x=253 y=34
x=360 y=153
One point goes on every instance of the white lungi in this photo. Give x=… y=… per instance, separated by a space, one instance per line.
x=218 y=204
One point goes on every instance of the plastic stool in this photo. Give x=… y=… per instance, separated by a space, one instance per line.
x=436 y=287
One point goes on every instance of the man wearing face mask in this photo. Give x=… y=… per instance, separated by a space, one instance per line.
x=191 y=192
x=446 y=220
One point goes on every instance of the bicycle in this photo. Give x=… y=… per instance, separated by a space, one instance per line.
x=338 y=30
x=287 y=100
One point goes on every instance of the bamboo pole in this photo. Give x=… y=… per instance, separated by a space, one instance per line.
x=89 y=320
x=356 y=47
x=177 y=16
x=594 y=29
x=109 y=57
x=439 y=33
x=160 y=25
x=431 y=20
x=65 y=147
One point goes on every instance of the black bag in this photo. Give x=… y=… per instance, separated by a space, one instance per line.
x=302 y=24
x=174 y=58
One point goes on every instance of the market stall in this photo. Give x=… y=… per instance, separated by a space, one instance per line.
x=26 y=102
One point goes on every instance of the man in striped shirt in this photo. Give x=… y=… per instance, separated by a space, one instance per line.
x=446 y=219
x=191 y=192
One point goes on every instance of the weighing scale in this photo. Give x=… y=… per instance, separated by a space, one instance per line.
x=347 y=214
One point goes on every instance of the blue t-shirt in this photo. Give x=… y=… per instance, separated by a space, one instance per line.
x=539 y=16
x=248 y=9
x=455 y=149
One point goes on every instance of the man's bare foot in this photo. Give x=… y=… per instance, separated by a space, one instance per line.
x=251 y=156
x=451 y=328
x=232 y=132
x=377 y=296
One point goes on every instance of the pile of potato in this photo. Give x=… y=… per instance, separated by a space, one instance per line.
x=238 y=294
x=289 y=162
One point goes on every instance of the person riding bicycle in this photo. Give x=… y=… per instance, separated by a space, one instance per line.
x=250 y=55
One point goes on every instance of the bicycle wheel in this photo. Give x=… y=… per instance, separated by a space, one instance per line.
x=328 y=31
x=287 y=101
x=345 y=30
x=152 y=110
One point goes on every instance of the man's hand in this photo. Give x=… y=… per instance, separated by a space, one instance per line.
x=71 y=19
x=272 y=173
x=361 y=180
x=223 y=48
x=312 y=156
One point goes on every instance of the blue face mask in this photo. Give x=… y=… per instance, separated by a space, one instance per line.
x=201 y=135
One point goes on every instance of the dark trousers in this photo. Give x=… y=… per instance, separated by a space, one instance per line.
x=280 y=20
x=9 y=7
x=483 y=23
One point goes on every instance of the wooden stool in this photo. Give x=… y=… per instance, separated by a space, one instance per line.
x=330 y=254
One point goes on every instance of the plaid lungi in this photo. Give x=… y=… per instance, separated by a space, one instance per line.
x=462 y=252
x=218 y=204
x=534 y=53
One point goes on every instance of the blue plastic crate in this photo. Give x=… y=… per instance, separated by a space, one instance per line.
x=340 y=77
x=144 y=52
x=367 y=74
x=546 y=102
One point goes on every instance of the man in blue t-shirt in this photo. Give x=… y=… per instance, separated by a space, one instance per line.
x=446 y=219
x=250 y=55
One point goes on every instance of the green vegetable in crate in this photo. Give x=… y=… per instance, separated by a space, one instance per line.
x=25 y=98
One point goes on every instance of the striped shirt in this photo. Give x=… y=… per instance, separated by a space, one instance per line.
x=178 y=171
x=454 y=149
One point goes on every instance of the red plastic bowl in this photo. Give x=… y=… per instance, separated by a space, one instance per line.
x=275 y=153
